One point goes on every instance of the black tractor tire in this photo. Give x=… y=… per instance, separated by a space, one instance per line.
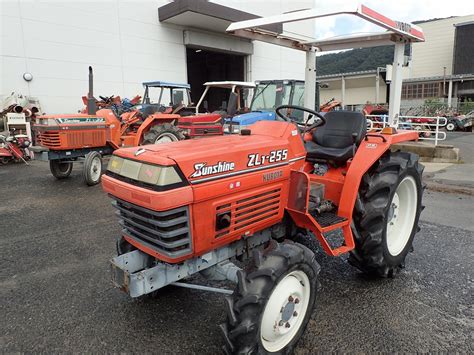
x=60 y=170
x=450 y=126
x=375 y=210
x=4 y=160
x=92 y=169
x=247 y=305
x=159 y=131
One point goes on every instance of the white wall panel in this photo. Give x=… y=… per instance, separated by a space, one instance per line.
x=54 y=12
x=123 y=40
x=12 y=72
x=10 y=8
x=430 y=57
x=59 y=33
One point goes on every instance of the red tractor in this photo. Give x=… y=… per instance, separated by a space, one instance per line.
x=197 y=206
x=65 y=139
x=330 y=105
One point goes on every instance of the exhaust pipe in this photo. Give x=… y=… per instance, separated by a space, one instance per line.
x=91 y=104
x=27 y=112
x=18 y=109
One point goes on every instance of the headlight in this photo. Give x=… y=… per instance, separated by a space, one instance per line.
x=48 y=121
x=143 y=172
x=235 y=128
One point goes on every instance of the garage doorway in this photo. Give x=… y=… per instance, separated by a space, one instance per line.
x=204 y=65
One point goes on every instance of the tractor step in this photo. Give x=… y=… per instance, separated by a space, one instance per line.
x=327 y=219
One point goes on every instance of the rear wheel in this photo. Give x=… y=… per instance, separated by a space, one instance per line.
x=59 y=169
x=163 y=133
x=386 y=214
x=273 y=302
x=92 y=170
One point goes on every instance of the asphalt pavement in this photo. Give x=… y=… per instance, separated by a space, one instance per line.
x=57 y=237
x=465 y=142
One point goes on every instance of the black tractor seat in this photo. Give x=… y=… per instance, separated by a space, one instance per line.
x=338 y=139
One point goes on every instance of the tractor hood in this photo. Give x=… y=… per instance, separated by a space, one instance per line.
x=270 y=144
x=252 y=117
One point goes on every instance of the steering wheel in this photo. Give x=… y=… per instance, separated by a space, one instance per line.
x=312 y=113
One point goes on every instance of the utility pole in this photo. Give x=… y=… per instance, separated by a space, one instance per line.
x=396 y=83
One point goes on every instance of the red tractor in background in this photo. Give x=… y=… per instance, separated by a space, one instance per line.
x=65 y=139
x=330 y=105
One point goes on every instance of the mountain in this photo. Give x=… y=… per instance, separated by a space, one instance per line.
x=354 y=60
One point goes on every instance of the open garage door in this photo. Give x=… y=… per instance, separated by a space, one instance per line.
x=204 y=65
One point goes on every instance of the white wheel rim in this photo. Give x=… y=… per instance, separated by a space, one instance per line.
x=95 y=169
x=401 y=216
x=285 y=311
x=166 y=138
x=450 y=126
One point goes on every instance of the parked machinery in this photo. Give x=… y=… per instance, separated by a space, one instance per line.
x=330 y=105
x=65 y=139
x=460 y=122
x=268 y=95
x=14 y=147
x=196 y=206
x=193 y=206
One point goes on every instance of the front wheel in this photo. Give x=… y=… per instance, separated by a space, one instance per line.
x=273 y=302
x=163 y=133
x=59 y=169
x=386 y=214
x=92 y=170
x=450 y=127
x=4 y=160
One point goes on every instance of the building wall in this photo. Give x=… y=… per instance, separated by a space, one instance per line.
x=429 y=57
x=354 y=96
x=359 y=90
x=123 y=41
x=270 y=61
x=463 y=49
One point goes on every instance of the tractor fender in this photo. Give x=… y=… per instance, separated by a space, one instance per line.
x=371 y=149
x=113 y=127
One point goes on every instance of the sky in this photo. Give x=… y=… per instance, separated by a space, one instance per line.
x=399 y=10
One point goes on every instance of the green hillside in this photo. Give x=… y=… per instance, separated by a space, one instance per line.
x=354 y=60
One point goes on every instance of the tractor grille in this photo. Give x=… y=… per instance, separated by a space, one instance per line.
x=251 y=210
x=167 y=232
x=49 y=139
x=87 y=138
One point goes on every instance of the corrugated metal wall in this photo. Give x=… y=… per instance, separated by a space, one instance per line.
x=464 y=49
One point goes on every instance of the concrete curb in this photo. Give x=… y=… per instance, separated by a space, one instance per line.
x=430 y=153
x=454 y=189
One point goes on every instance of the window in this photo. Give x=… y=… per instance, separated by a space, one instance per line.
x=421 y=90
x=269 y=96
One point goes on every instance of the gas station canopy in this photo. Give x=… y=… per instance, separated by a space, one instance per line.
x=257 y=29
x=396 y=33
